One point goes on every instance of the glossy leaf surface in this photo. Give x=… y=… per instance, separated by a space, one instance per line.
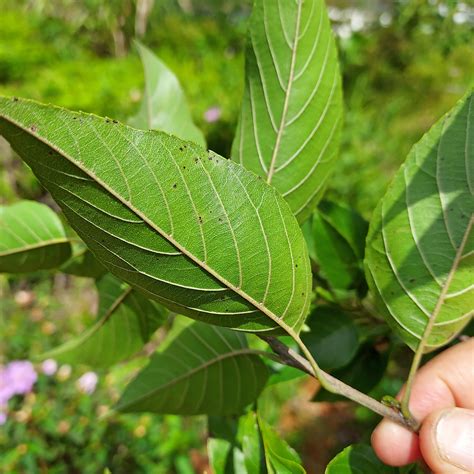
x=126 y=321
x=31 y=238
x=202 y=370
x=164 y=106
x=332 y=337
x=339 y=238
x=198 y=233
x=420 y=248
x=291 y=113
x=358 y=459
x=280 y=457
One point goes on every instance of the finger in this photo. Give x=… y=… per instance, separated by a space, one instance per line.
x=447 y=441
x=445 y=381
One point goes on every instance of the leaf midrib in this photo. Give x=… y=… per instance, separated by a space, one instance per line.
x=190 y=373
x=259 y=306
x=95 y=328
x=445 y=288
x=282 y=126
x=26 y=248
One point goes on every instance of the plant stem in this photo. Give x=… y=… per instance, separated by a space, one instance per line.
x=429 y=327
x=289 y=357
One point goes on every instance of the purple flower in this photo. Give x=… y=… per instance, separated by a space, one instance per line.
x=17 y=378
x=87 y=382
x=3 y=418
x=212 y=114
x=49 y=367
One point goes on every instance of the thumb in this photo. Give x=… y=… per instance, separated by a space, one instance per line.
x=447 y=441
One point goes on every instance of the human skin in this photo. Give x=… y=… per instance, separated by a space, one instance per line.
x=443 y=400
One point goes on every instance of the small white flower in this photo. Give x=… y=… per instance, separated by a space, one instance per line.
x=87 y=382
x=49 y=367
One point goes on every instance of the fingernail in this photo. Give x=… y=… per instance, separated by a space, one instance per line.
x=455 y=438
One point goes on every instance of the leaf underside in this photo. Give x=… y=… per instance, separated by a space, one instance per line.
x=192 y=230
x=31 y=238
x=204 y=369
x=420 y=247
x=291 y=113
x=126 y=321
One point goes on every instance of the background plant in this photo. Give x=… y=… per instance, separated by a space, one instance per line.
x=321 y=290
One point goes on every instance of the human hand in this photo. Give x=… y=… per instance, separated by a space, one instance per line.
x=443 y=400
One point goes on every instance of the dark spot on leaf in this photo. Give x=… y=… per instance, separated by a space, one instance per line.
x=196 y=160
x=302 y=294
x=15 y=99
x=210 y=158
x=174 y=185
x=412 y=280
x=200 y=219
x=220 y=219
x=184 y=167
x=181 y=148
x=296 y=265
x=115 y=121
x=50 y=152
x=74 y=118
x=34 y=128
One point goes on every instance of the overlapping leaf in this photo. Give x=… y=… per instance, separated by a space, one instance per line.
x=358 y=458
x=83 y=263
x=202 y=369
x=291 y=114
x=196 y=232
x=252 y=447
x=126 y=321
x=31 y=238
x=339 y=237
x=164 y=106
x=332 y=338
x=420 y=247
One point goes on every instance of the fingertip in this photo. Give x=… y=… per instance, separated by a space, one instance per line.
x=447 y=440
x=394 y=444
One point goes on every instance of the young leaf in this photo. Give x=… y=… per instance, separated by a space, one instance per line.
x=332 y=338
x=164 y=106
x=31 y=238
x=358 y=458
x=420 y=247
x=203 y=370
x=291 y=113
x=280 y=458
x=198 y=233
x=83 y=263
x=126 y=321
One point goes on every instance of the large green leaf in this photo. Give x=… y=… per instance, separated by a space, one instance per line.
x=420 y=247
x=358 y=459
x=198 y=233
x=126 y=321
x=291 y=113
x=203 y=369
x=31 y=238
x=164 y=106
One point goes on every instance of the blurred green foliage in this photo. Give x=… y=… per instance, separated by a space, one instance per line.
x=400 y=75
